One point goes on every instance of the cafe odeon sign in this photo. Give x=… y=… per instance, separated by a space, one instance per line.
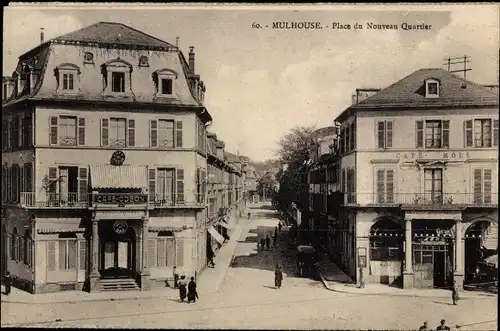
x=121 y=199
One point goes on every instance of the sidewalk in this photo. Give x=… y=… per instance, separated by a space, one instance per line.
x=334 y=279
x=208 y=281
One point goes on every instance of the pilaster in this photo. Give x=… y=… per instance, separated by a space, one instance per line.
x=145 y=273
x=94 y=276
x=408 y=269
x=458 y=274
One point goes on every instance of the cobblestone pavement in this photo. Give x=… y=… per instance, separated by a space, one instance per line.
x=248 y=299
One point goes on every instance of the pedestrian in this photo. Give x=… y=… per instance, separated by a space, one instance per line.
x=275 y=239
x=443 y=326
x=278 y=276
x=182 y=288
x=176 y=277
x=7 y=282
x=280 y=226
x=248 y=215
x=424 y=327
x=192 y=292
x=226 y=237
x=210 y=257
x=268 y=242
x=262 y=243
x=454 y=293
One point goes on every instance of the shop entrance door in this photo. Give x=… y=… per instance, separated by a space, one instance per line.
x=117 y=255
x=432 y=265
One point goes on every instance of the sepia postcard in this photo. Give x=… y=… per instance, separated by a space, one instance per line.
x=250 y=166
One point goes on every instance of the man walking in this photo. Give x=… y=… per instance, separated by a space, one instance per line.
x=7 y=282
x=262 y=243
x=278 y=276
x=176 y=277
x=443 y=326
x=268 y=242
x=454 y=293
x=275 y=239
x=210 y=256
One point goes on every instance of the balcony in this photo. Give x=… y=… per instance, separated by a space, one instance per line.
x=423 y=199
x=86 y=200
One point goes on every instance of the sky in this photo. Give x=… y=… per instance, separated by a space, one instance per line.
x=263 y=82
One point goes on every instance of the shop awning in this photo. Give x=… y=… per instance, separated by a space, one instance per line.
x=214 y=233
x=124 y=176
x=224 y=224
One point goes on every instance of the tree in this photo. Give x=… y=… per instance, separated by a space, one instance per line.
x=294 y=152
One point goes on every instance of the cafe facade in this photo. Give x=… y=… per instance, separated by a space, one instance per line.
x=419 y=172
x=104 y=156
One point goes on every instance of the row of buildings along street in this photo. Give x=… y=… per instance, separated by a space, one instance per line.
x=110 y=176
x=403 y=189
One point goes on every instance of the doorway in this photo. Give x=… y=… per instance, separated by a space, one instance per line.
x=433 y=266
x=117 y=254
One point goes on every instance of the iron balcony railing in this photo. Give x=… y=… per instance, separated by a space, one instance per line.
x=426 y=199
x=85 y=200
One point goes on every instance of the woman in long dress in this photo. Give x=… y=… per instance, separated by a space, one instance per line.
x=182 y=288
x=192 y=292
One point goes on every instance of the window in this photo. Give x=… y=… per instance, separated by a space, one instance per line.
x=481 y=133
x=434 y=133
x=143 y=61
x=432 y=89
x=180 y=185
x=165 y=179
x=385 y=186
x=117 y=132
x=165 y=249
x=68 y=79
x=385 y=249
x=166 y=86
x=67 y=252
x=433 y=185
x=118 y=82
x=165 y=133
x=66 y=130
x=88 y=58
x=482 y=186
x=384 y=134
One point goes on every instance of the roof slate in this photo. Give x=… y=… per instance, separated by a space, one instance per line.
x=113 y=33
x=410 y=92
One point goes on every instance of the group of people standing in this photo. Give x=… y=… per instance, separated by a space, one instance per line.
x=441 y=327
x=186 y=290
x=266 y=242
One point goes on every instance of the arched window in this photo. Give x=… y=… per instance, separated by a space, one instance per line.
x=27 y=248
x=68 y=78
x=116 y=74
x=13 y=245
x=386 y=239
x=164 y=80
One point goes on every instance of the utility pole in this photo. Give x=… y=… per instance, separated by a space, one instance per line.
x=458 y=60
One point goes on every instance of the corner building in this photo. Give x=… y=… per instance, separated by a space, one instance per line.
x=419 y=173
x=103 y=138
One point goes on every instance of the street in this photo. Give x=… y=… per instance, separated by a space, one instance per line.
x=247 y=299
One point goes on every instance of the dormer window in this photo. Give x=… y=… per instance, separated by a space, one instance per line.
x=67 y=76
x=164 y=81
x=117 y=78
x=143 y=61
x=432 y=88
x=88 y=58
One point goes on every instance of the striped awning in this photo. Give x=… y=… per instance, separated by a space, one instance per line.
x=224 y=224
x=214 y=233
x=124 y=176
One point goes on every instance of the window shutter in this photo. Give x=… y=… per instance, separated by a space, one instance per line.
x=83 y=255
x=487 y=185
x=152 y=185
x=478 y=189
x=388 y=137
x=131 y=133
x=72 y=251
x=81 y=131
x=179 y=249
x=380 y=134
x=180 y=185
x=82 y=184
x=389 y=189
x=22 y=179
x=495 y=132
x=52 y=184
x=420 y=134
x=62 y=254
x=28 y=173
x=104 y=132
x=468 y=135
x=15 y=131
x=170 y=252
x=28 y=128
x=29 y=258
x=21 y=142
x=151 y=253
x=53 y=130
x=178 y=134
x=446 y=134
x=380 y=186
x=162 y=251
x=20 y=249
x=153 y=133
x=10 y=187
x=15 y=182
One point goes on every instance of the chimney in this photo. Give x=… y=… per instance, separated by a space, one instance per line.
x=177 y=42
x=353 y=97
x=41 y=35
x=191 y=59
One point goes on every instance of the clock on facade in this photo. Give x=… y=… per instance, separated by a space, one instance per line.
x=118 y=158
x=120 y=227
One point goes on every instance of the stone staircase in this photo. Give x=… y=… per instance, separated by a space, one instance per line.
x=120 y=284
